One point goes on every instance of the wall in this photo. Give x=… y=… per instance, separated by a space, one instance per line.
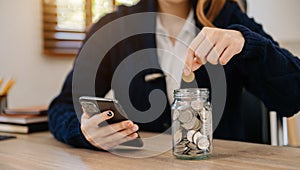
x=280 y=19
x=39 y=78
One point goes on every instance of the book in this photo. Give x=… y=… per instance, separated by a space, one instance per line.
x=273 y=128
x=35 y=110
x=293 y=126
x=23 y=118
x=29 y=128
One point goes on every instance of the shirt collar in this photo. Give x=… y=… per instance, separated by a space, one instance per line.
x=188 y=27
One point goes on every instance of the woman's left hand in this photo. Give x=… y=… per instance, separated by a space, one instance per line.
x=213 y=45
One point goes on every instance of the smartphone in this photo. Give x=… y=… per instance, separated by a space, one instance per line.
x=96 y=105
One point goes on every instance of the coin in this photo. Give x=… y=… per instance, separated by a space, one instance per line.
x=175 y=125
x=203 y=143
x=190 y=135
x=196 y=136
x=197 y=125
x=175 y=114
x=191 y=124
x=197 y=105
x=195 y=152
x=179 y=148
x=177 y=136
x=204 y=115
x=183 y=106
x=185 y=116
x=188 y=78
x=192 y=146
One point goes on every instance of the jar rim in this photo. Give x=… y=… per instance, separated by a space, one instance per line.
x=191 y=92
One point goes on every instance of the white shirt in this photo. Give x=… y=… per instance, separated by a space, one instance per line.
x=172 y=57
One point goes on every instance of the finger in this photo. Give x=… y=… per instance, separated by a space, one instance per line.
x=196 y=64
x=99 y=118
x=213 y=57
x=117 y=138
x=226 y=55
x=84 y=116
x=215 y=54
x=123 y=140
x=191 y=53
x=198 y=40
x=188 y=62
x=203 y=50
x=116 y=127
x=121 y=134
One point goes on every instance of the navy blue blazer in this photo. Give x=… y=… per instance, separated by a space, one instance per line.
x=263 y=68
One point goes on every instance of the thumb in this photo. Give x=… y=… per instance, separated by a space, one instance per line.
x=192 y=63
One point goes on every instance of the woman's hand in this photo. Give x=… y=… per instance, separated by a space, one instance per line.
x=213 y=45
x=109 y=136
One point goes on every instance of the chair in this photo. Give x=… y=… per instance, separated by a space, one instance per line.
x=256 y=119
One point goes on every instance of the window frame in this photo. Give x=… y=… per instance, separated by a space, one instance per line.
x=63 y=42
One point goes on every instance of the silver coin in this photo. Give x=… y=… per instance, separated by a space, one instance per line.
x=183 y=106
x=187 y=150
x=196 y=136
x=192 y=146
x=195 y=152
x=179 y=148
x=198 y=125
x=177 y=136
x=175 y=125
x=191 y=124
x=185 y=116
x=175 y=114
x=197 y=105
x=184 y=142
x=205 y=115
x=190 y=135
x=203 y=143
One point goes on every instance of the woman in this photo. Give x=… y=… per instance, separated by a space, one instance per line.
x=251 y=59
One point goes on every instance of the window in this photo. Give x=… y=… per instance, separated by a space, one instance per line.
x=65 y=22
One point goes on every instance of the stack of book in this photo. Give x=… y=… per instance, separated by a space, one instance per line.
x=24 y=120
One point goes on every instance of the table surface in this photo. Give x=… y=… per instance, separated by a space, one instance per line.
x=42 y=151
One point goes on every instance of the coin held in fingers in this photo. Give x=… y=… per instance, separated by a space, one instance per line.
x=189 y=78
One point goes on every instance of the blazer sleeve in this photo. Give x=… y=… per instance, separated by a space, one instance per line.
x=270 y=72
x=63 y=121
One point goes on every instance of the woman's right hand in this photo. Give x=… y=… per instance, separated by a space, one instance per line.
x=109 y=136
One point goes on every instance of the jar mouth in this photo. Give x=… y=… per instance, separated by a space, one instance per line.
x=191 y=92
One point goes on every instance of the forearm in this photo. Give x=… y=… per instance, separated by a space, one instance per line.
x=270 y=72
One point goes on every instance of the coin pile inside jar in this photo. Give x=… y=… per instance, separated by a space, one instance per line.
x=192 y=128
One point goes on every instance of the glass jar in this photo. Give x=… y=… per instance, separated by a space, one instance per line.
x=191 y=124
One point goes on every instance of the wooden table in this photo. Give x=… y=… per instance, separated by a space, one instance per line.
x=42 y=151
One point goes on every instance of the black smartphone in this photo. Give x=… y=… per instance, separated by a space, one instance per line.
x=96 y=105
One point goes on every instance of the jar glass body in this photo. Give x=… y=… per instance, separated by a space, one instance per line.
x=192 y=124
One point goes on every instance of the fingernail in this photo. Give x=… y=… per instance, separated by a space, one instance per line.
x=135 y=128
x=134 y=135
x=109 y=114
x=129 y=124
x=186 y=71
